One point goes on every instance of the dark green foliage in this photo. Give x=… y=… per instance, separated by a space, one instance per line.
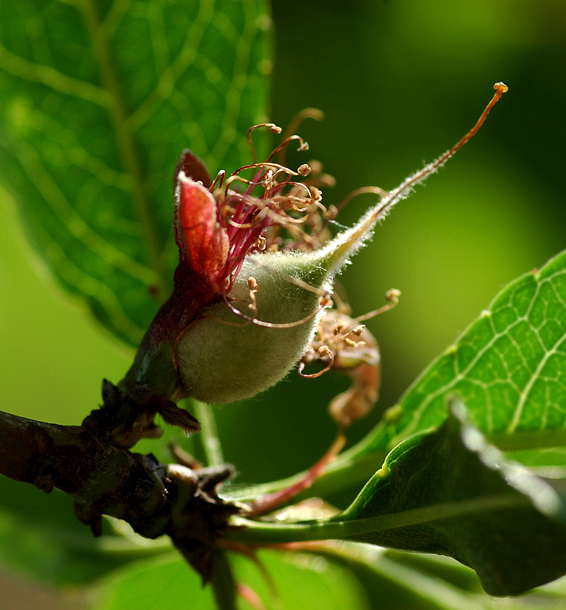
x=490 y=514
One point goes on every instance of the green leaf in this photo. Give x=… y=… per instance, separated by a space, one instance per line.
x=302 y=581
x=508 y=368
x=448 y=492
x=294 y=582
x=40 y=536
x=97 y=101
x=445 y=572
x=397 y=584
x=453 y=494
x=159 y=584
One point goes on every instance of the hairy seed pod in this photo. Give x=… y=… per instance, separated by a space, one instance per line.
x=223 y=357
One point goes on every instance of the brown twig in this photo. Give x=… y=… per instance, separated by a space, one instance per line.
x=105 y=479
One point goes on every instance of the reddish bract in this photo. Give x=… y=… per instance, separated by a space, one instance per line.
x=203 y=243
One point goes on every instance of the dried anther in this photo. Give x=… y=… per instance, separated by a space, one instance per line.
x=343 y=345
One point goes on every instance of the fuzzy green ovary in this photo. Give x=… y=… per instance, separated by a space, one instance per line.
x=221 y=363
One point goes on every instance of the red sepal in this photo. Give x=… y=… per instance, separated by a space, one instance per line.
x=203 y=243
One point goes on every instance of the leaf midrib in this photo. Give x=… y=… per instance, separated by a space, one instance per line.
x=127 y=147
x=342 y=528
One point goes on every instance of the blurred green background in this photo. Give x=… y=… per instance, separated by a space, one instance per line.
x=400 y=81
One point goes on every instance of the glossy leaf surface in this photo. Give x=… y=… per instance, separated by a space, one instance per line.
x=508 y=368
x=448 y=492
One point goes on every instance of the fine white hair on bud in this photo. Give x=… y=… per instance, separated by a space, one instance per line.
x=226 y=355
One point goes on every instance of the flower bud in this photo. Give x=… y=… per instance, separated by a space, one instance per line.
x=253 y=280
x=241 y=345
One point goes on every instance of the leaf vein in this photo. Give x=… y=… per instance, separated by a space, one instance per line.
x=46 y=75
x=78 y=228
